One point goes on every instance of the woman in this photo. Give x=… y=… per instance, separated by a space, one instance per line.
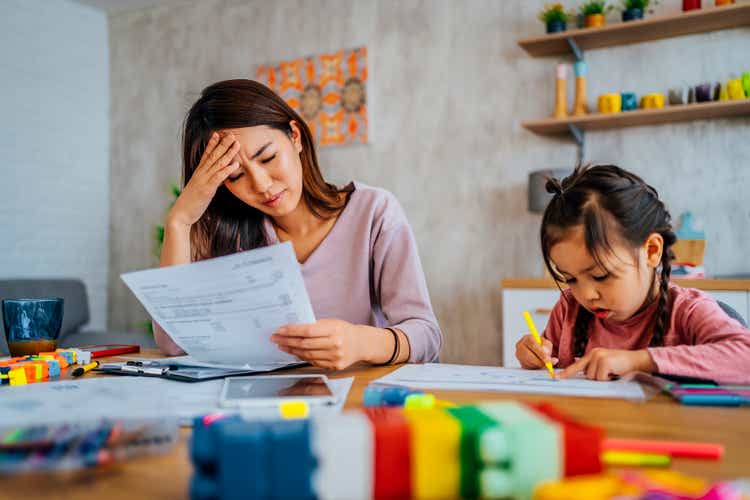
x=252 y=179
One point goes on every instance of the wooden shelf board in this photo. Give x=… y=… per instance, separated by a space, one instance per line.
x=650 y=28
x=668 y=114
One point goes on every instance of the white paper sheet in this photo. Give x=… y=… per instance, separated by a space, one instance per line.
x=91 y=399
x=496 y=379
x=223 y=311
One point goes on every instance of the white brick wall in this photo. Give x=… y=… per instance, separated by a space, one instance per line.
x=54 y=144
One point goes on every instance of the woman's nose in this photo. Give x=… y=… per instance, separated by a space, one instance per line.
x=261 y=181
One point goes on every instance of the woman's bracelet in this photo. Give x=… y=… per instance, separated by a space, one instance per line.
x=396 y=347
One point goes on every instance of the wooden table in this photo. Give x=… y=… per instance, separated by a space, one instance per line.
x=167 y=476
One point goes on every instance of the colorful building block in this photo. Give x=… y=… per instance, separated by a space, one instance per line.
x=343 y=447
x=474 y=424
x=392 y=453
x=582 y=443
x=435 y=441
x=536 y=447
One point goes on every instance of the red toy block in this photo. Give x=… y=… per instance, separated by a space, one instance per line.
x=392 y=453
x=583 y=443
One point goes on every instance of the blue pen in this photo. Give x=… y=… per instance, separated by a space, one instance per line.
x=713 y=400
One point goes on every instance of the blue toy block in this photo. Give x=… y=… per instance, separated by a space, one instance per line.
x=292 y=462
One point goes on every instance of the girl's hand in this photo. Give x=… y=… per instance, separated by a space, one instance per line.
x=603 y=364
x=217 y=163
x=531 y=355
x=332 y=344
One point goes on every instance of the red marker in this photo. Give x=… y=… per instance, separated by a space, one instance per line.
x=684 y=449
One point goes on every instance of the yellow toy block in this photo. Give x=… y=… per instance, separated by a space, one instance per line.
x=17 y=376
x=435 y=437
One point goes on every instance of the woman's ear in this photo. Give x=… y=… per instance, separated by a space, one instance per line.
x=296 y=135
x=653 y=247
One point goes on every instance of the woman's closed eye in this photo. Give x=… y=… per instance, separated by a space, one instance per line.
x=266 y=160
x=235 y=177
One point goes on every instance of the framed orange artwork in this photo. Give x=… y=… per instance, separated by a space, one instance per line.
x=328 y=90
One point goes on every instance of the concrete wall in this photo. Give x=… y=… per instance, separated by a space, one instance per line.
x=54 y=144
x=449 y=89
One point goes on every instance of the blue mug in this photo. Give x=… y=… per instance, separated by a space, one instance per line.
x=32 y=325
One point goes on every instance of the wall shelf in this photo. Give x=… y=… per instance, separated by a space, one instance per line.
x=668 y=114
x=650 y=28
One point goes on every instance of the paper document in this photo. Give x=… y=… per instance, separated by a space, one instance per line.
x=492 y=378
x=223 y=311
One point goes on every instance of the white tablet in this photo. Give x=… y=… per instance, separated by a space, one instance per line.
x=240 y=392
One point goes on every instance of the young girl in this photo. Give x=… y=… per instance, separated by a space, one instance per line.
x=252 y=179
x=607 y=236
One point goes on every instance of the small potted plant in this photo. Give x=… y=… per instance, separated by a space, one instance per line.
x=555 y=17
x=593 y=13
x=634 y=9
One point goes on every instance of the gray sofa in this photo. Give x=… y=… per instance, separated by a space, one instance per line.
x=75 y=313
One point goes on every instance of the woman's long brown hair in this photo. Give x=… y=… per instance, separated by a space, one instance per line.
x=230 y=225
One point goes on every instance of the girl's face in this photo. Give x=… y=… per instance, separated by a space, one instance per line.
x=269 y=177
x=620 y=288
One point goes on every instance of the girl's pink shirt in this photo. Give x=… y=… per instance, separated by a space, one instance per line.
x=702 y=341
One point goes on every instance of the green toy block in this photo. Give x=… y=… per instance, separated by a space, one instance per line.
x=535 y=443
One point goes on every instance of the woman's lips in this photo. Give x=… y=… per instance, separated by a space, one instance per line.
x=275 y=200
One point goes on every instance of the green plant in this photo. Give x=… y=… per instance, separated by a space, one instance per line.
x=554 y=13
x=639 y=4
x=146 y=325
x=595 y=7
x=159 y=230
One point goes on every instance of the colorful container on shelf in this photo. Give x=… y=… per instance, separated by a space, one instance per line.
x=594 y=21
x=629 y=101
x=652 y=101
x=610 y=103
x=691 y=5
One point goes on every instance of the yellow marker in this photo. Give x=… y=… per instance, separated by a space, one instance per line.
x=85 y=368
x=290 y=410
x=630 y=458
x=538 y=339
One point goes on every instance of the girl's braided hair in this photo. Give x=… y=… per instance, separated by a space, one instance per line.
x=604 y=198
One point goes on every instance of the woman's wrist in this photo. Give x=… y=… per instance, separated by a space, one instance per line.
x=378 y=345
x=173 y=223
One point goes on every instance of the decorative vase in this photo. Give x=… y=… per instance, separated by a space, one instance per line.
x=561 y=92
x=610 y=103
x=735 y=90
x=579 y=105
x=629 y=101
x=652 y=101
x=632 y=14
x=594 y=21
x=690 y=5
x=703 y=92
x=716 y=92
x=556 y=26
x=676 y=96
